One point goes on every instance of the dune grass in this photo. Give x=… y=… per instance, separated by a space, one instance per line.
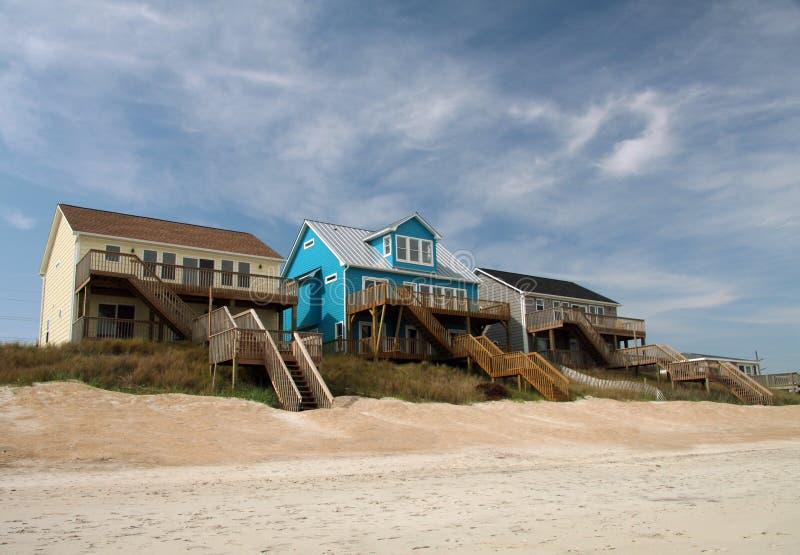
x=128 y=365
x=137 y=366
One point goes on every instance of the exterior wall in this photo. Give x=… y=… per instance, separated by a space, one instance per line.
x=321 y=304
x=58 y=287
x=268 y=266
x=549 y=302
x=412 y=228
x=493 y=290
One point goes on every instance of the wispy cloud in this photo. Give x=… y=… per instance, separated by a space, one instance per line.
x=17 y=219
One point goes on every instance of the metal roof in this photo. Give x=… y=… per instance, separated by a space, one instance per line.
x=349 y=245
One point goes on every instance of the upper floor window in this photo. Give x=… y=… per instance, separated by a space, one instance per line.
x=112 y=249
x=168 y=260
x=308 y=244
x=539 y=304
x=387 y=245
x=414 y=250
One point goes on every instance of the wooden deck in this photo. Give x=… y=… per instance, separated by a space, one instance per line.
x=190 y=282
x=623 y=328
x=479 y=310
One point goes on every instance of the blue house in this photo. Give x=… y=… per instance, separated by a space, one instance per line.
x=394 y=293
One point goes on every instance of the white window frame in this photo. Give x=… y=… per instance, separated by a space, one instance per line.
x=338 y=330
x=387 y=245
x=601 y=311
x=308 y=244
x=364 y=280
x=538 y=304
x=408 y=258
x=331 y=278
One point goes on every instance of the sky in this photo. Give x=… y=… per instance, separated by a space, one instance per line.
x=647 y=150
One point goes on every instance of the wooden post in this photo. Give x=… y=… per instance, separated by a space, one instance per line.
x=708 y=386
x=214 y=378
x=294 y=317
x=380 y=328
x=519 y=382
x=508 y=333
x=552 y=338
x=397 y=326
x=469 y=325
x=210 y=308
x=233 y=373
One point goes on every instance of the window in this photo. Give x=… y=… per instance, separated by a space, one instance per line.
x=115 y=321
x=308 y=244
x=402 y=248
x=189 y=271
x=244 y=274
x=601 y=311
x=206 y=272
x=427 y=253
x=414 y=250
x=387 y=245
x=227 y=273
x=331 y=278
x=168 y=265
x=338 y=330
x=111 y=249
x=150 y=258
x=47 y=332
x=539 y=304
x=367 y=282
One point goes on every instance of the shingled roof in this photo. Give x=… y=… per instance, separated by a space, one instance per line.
x=115 y=224
x=547 y=286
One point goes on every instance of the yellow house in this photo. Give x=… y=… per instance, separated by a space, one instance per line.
x=107 y=274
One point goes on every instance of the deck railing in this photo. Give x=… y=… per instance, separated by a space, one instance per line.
x=553 y=316
x=221 y=320
x=391 y=293
x=305 y=362
x=143 y=277
x=400 y=347
x=91 y=327
x=189 y=280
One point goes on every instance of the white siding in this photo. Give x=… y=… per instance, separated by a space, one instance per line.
x=59 y=285
x=493 y=290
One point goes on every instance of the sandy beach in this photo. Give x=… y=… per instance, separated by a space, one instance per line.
x=85 y=470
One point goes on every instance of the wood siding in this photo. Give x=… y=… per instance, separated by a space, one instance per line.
x=493 y=290
x=58 y=287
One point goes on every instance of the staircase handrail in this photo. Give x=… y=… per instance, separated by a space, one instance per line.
x=285 y=388
x=559 y=379
x=761 y=393
x=319 y=388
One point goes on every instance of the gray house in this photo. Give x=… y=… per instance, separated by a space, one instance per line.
x=565 y=321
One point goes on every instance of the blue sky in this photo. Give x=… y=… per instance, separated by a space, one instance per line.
x=648 y=150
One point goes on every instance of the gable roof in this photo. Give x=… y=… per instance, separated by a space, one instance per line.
x=546 y=286
x=694 y=356
x=116 y=224
x=349 y=245
x=394 y=225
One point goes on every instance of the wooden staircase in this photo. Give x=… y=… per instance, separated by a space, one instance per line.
x=431 y=328
x=290 y=358
x=307 y=400
x=739 y=384
x=533 y=368
x=145 y=281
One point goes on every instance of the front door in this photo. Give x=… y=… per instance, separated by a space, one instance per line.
x=206 y=272
x=189 y=271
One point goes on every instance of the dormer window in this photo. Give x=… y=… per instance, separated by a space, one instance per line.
x=414 y=250
x=387 y=245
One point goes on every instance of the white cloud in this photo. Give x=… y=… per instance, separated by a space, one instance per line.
x=17 y=219
x=635 y=156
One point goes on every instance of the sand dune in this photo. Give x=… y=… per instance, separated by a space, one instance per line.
x=86 y=470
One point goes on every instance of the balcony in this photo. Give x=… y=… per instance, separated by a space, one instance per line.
x=396 y=348
x=90 y=327
x=401 y=295
x=608 y=325
x=189 y=281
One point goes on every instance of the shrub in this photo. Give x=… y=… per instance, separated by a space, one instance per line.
x=493 y=391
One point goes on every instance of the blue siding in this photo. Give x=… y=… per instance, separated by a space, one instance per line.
x=413 y=228
x=320 y=305
x=377 y=244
